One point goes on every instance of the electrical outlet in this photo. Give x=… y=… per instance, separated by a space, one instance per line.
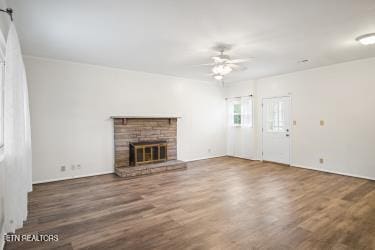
x=78 y=166
x=321 y=123
x=62 y=168
x=321 y=160
x=209 y=150
x=73 y=167
x=294 y=123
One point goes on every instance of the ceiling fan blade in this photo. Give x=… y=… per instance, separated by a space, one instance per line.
x=243 y=60
x=204 y=64
x=237 y=67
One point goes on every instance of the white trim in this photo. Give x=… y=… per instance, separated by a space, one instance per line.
x=226 y=155
x=334 y=172
x=306 y=167
x=244 y=158
x=110 y=172
x=73 y=177
x=205 y=158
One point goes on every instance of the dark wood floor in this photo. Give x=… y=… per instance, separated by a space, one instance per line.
x=221 y=203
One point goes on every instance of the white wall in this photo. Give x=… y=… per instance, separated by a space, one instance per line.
x=343 y=96
x=242 y=141
x=71 y=104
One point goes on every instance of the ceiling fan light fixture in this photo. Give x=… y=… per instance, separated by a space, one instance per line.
x=223 y=64
x=221 y=58
x=221 y=69
x=218 y=77
x=366 y=39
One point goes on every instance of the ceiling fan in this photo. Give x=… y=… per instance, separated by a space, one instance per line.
x=222 y=64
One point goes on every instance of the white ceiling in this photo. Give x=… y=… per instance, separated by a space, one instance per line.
x=171 y=36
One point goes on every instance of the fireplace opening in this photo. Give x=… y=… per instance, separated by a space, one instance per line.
x=144 y=152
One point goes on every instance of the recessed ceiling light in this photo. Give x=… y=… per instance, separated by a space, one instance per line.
x=366 y=39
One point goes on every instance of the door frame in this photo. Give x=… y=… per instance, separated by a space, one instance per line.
x=290 y=126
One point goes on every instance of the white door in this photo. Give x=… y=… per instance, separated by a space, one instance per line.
x=276 y=129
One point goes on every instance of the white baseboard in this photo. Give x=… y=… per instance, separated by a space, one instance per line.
x=73 y=177
x=335 y=172
x=109 y=172
x=204 y=158
x=245 y=158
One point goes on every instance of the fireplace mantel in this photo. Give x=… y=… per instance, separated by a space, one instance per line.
x=145 y=117
x=125 y=118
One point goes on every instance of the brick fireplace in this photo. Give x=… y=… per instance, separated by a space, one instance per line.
x=131 y=130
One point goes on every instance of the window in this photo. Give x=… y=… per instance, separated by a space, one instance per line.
x=237 y=114
x=240 y=111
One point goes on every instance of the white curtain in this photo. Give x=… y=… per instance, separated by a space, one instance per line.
x=17 y=138
x=2 y=164
x=246 y=111
x=230 y=109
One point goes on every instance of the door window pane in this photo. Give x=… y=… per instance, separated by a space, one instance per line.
x=276 y=117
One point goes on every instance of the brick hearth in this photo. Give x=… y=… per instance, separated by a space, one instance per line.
x=147 y=169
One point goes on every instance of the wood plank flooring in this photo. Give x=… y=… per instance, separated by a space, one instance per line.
x=220 y=203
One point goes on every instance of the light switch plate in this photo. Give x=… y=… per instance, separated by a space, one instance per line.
x=294 y=123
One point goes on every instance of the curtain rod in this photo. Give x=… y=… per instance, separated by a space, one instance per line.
x=9 y=11
x=226 y=98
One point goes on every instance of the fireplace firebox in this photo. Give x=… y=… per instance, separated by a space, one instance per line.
x=147 y=152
